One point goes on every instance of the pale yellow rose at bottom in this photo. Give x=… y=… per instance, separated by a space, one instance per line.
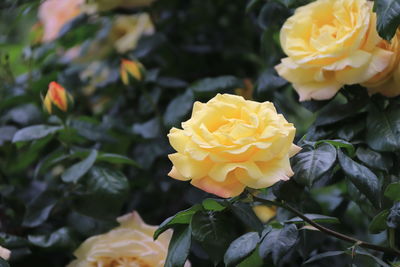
x=387 y=82
x=231 y=143
x=129 y=245
x=264 y=212
x=4 y=253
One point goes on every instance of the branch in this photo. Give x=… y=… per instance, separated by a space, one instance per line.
x=328 y=231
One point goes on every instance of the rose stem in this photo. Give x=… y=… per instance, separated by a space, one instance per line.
x=329 y=231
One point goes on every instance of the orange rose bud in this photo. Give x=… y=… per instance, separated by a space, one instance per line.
x=57 y=96
x=130 y=68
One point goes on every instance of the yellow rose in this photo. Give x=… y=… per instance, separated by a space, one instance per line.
x=4 y=253
x=230 y=143
x=387 y=82
x=130 y=244
x=127 y=30
x=264 y=213
x=331 y=43
x=54 y=14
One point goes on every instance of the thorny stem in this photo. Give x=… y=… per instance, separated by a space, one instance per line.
x=328 y=231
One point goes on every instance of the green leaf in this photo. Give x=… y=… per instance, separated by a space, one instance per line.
x=39 y=209
x=272 y=14
x=246 y=214
x=178 y=109
x=34 y=132
x=179 y=246
x=212 y=204
x=116 y=159
x=324 y=255
x=240 y=248
x=365 y=180
x=182 y=217
x=392 y=191
x=383 y=129
x=4 y=263
x=62 y=238
x=339 y=144
x=209 y=87
x=376 y=259
x=106 y=190
x=315 y=217
x=311 y=163
x=278 y=242
x=374 y=159
x=388 y=17
x=90 y=130
x=76 y=171
x=378 y=223
x=393 y=219
x=214 y=232
x=254 y=260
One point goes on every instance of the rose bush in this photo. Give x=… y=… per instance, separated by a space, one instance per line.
x=192 y=85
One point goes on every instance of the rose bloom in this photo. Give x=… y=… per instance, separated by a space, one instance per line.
x=127 y=30
x=230 y=143
x=130 y=244
x=387 y=82
x=331 y=43
x=54 y=14
x=4 y=253
x=264 y=212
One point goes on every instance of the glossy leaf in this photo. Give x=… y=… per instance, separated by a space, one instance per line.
x=364 y=179
x=34 y=132
x=179 y=246
x=378 y=223
x=278 y=242
x=388 y=17
x=76 y=171
x=393 y=191
x=311 y=163
x=182 y=217
x=212 y=204
x=209 y=87
x=373 y=159
x=38 y=211
x=240 y=248
x=383 y=129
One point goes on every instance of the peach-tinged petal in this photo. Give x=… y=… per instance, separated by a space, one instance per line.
x=231 y=187
x=176 y=175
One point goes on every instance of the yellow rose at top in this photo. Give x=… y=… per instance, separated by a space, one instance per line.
x=330 y=43
x=130 y=244
x=387 y=82
x=230 y=143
